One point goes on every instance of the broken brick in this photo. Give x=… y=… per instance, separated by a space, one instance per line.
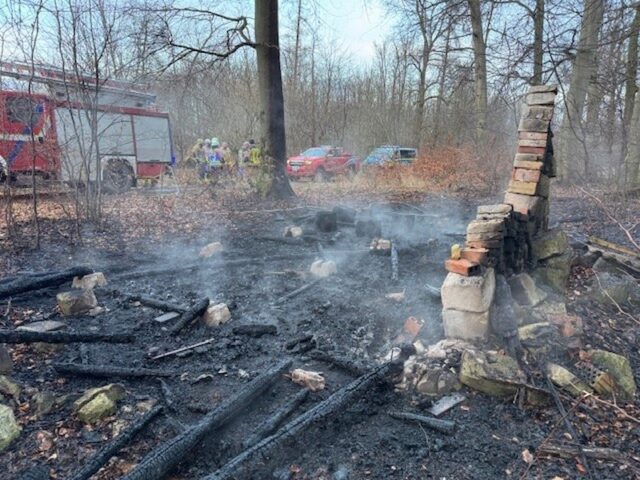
x=462 y=267
x=532 y=136
x=489 y=244
x=530 y=142
x=527 y=165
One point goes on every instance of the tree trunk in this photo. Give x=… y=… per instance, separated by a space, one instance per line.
x=271 y=96
x=538 y=52
x=632 y=158
x=480 y=58
x=571 y=134
x=630 y=79
x=438 y=124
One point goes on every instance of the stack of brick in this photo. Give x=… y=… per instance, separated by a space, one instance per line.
x=528 y=190
x=501 y=236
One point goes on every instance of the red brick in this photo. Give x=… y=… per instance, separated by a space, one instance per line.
x=476 y=255
x=523 y=175
x=462 y=267
x=536 y=150
x=529 y=157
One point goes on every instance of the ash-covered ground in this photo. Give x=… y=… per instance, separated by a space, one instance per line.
x=347 y=315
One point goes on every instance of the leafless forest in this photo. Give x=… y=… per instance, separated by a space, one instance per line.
x=277 y=239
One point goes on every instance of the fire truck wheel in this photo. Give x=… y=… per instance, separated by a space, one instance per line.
x=117 y=176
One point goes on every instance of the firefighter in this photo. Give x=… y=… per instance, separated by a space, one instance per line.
x=243 y=158
x=255 y=154
x=203 y=160
x=227 y=158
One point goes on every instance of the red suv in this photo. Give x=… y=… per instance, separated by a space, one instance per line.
x=320 y=163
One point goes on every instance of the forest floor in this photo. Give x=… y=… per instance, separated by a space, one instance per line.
x=347 y=314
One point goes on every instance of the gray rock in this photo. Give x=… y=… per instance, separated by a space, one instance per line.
x=43 y=403
x=9 y=387
x=75 y=302
x=611 y=289
x=554 y=271
x=550 y=244
x=525 y=291
x=44 y=326
x=9 y=428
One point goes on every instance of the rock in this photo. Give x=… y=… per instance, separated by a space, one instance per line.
x=76 y=302
x=44 y=326
x=293 y=231
x=211 y=249
x=538 y=336
x=6 y=363
x=468 y=294
x=98 y=403
x=569 y=325
x=525 y=291
x=9 y=428
x=619 y=368
x=549 y=244
x=485 y=226
x=492 y=374
x=43 y=403
x=428 y=384
x=323 y=268
x=554 y=271
x=448 y=382
x=603 y=266
x=96 y=409
x=465 y=325
x=94 y=312
x=9 y=387
x=216 y=315
x=551 y=307
x=566 y=380
x=89 y=282
x=611 y=289
x=504 y=320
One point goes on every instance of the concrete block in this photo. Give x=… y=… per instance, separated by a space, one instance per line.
x=469 y=294
x=465 y=325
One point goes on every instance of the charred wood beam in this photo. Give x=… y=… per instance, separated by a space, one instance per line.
x=30 y=283
x=100 y=459
x=148 y=301
x=15 y=336
x=272 y=423
x=255 y=329
x=444 y=426
x=297 y=292
x=157 y=464
x=190 y=315
x=109 y=371
x=244 y=463
x=339 y=362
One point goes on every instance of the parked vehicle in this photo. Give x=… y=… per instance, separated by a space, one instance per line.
x=320 y=163
x=390 y=154
x=55 y=133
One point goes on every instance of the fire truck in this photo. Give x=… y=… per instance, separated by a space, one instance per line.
x=76 y=130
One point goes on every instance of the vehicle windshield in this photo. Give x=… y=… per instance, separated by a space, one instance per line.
x=314 y=152
x=381 y=153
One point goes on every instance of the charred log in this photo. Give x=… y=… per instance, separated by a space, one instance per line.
x=109 y=371
x=155 y=303
x=190 y=315
x=39 y=472
x=339 y=362
x=100 y=459
x=15 y=336
x=30 y=283
x=444 y=426
x=296 y=292
x=272 y=423
x=240 y=465
x=157 y=464
x=255 y=329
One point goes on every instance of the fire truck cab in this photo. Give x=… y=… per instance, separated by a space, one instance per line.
x=77 y=133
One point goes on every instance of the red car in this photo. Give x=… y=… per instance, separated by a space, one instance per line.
x=320 y=163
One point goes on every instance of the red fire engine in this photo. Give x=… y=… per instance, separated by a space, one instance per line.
x=65 y=128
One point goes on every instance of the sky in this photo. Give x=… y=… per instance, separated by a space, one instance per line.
x=355 y=25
